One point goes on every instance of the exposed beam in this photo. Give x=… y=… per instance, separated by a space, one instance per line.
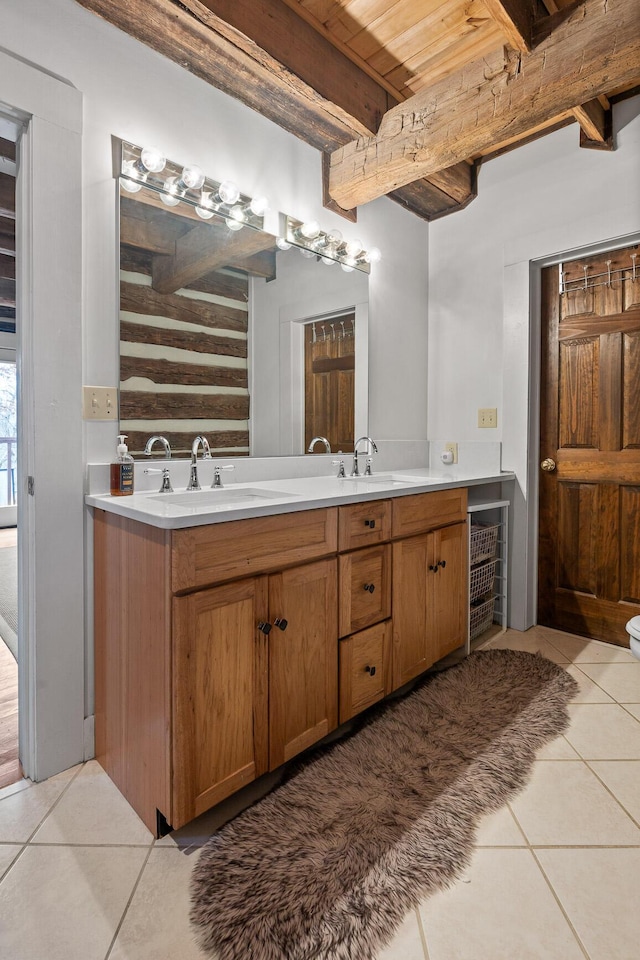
x=202 y=250
x=7 y=236
x=489 y=101
x=595 y=125
x=7 y=196
x=516 y=19
x=7 y=149
x=7 y=293
x=191 y=35
x=7 y=267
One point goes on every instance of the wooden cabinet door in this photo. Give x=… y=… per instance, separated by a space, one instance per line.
x=429 y=599
x=413 y=651
x=365 y=669
x=220 y=713
x=589 y=527
x=448 y=612
x=303 y=658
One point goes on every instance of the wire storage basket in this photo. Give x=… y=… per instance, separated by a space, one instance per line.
x=483 y=542
x=481 y=579
x=481 y=616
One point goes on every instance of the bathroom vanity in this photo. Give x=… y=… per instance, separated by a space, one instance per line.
x=226 y=644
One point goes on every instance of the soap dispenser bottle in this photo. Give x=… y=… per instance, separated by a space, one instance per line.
x=122 y=471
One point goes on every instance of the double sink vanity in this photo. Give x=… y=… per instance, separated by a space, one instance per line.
x=235 y=627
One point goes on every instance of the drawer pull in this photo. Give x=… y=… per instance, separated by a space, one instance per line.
x=370 y=587
x=281 y=622
x=370 y=670
x=264 y=627
x=433 y=567
x=370 y=523
x=442 y=563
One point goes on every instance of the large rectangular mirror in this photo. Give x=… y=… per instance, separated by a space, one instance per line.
x=224 y=334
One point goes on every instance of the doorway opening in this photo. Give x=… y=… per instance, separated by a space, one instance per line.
x=10 y=769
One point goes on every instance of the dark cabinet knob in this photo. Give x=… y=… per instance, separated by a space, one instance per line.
x=281 y=622
x=370 y=587
x=442 y=563
x=370 y=670
x=265 y=627
x=370 y=523
x=433 y=567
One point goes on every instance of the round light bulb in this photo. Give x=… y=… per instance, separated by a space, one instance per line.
x=228 y=191
x=306 y=253
x=168 y=195
x=353 y=247
x=206 y=208
x=283 y=244
x=153 y=160
x=328 y=261
x=235 y=220
x=334 y=237
x=259 y=206
x=130 y=185
x=373 y=255
x=192 y=177
x=347 y=266
x=310 y=229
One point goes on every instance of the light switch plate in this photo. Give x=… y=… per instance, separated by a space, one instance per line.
x=487 y=417
x=100 y=403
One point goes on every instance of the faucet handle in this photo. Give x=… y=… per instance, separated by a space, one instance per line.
x=165 y=486
x=217 y=479
x=367 y=469
x=340 y=465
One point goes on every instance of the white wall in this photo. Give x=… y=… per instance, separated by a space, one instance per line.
x=130 y=92
x=537 y=203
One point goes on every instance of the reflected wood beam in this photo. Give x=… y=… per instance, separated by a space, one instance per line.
x=7 y=149
x=7 y=267
x=488 y=101
x=146 y=236
x=7 y=196
x=7 y=293
x=191 y=35
x=202 y=250
x=516 y=19
x=7 y=236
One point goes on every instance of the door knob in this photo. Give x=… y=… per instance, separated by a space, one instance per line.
x=370 y=670
x=281 y=622
x=548 y=465
x=369 y=587
x=265 y=627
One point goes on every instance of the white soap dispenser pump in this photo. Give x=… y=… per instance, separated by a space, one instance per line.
x=121 y=473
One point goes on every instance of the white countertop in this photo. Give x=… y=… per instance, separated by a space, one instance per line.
x=237 y=501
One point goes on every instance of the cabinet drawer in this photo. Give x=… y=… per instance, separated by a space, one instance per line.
x=361 y=524
x=365 y=588
x=426 y=511
x=225 y=551
x=365 y=669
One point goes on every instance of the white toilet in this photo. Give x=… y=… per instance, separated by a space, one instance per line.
x=633 y=629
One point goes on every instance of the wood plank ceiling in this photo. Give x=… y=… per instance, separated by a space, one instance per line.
x=404 y=98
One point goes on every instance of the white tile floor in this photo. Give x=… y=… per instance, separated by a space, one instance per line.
x=555 y=875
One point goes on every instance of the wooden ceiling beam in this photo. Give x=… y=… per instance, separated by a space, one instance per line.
x=595 y=125
x=489 y=101
x=515 y=17
x=219 y=53
x=202 y=250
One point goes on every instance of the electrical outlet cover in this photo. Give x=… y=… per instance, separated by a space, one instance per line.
x=452 y=448
x=488 y=417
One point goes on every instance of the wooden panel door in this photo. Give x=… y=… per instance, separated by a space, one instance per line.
x=589 y=536
x=365 y=669
x=365 y=588
x=448 y=614
x=413 y=650
x=303 y=658
x=330 y=382
x=220 y=714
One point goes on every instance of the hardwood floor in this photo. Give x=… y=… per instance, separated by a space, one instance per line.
x=10 y=770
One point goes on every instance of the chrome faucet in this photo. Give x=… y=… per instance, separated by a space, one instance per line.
x=371 y=448
x=194 y=483
x=315 y=440
x=161 y=440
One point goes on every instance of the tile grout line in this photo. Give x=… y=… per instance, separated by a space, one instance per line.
x=27 y=842
x=551 y=888
x=128 y=904
x=422 y=932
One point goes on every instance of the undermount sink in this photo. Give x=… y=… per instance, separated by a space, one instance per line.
x=219 y=496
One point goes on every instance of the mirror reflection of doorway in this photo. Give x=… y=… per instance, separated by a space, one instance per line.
x=329 y=352
x=10 y=770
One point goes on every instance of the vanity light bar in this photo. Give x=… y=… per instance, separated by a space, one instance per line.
x=179 y=183
x=328 y=245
